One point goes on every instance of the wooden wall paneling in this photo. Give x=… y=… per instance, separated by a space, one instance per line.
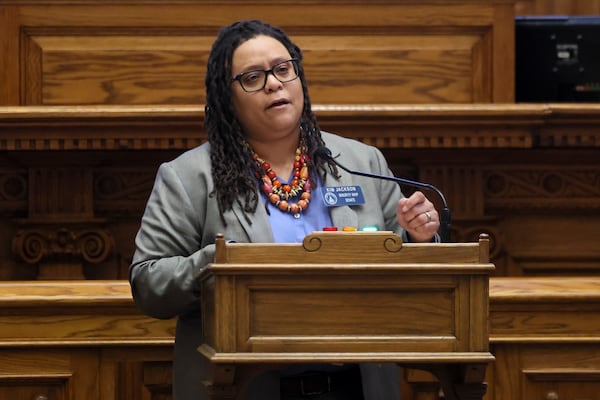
x=524 y=174
x=157 y=379
x=544 y=334
x=93 y=236
x=524 y=217
x=503 y=70
x=31 y=74
x=116 y=68
x=143 y=53
x=53 y=374
x=60 y=234
x=396 y=68
x=81 y=340
x=9 y=55
x=545 y=337
x=83 y=312
x=557 y=7
x=516 y=195
x=561 y=371
x=503 y=376
x=363 y=68
x=136 y=373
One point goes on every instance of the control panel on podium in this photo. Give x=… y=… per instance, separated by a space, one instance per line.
x=347 y=297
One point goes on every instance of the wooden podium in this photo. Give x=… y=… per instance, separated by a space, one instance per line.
x=347 y=297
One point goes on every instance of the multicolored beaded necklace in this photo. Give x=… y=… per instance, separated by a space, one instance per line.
x=280 y=194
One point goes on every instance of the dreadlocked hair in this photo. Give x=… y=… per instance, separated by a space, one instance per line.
x=234 y=170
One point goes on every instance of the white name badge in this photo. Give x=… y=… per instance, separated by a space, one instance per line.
x=334 y=196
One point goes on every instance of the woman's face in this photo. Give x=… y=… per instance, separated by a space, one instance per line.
x=273 y=112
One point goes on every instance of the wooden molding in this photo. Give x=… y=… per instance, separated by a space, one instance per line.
x=53 y=128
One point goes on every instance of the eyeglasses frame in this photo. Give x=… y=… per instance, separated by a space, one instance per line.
x=266 y=72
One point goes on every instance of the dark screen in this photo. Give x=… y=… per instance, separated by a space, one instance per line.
x=557 y=59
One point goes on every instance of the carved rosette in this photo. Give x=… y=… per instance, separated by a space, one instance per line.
x=569 y=188
x=42 y=244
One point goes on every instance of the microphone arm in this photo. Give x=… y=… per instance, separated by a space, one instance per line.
x=324 y=152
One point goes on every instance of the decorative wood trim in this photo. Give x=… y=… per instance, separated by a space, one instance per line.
x=84 y=313
x=9 y=64
x=211 y=2
x=548 y=290
x=31 y=62
x=48 y=378
x=562 y=375
x=501 y=126
x=62 y=295
x=508 y=296
x=545 y=310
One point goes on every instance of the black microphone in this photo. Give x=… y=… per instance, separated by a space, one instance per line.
x=325 y=153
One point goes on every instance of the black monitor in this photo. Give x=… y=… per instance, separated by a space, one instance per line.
x=557 y=59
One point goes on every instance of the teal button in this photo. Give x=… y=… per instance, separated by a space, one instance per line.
x=369 y=229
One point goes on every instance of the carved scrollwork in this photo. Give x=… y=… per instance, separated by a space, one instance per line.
x=30 y=246
x=572 y=188
x=40 y=244
x=393 y=244
x=95 y=246
x=312 y=243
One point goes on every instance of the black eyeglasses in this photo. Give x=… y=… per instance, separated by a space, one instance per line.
x=255 y=80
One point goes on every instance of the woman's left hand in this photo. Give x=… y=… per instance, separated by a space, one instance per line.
x=417 y=215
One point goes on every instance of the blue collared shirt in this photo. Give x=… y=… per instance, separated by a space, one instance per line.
x=288 y=229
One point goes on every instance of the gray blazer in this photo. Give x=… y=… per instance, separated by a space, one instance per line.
x=176 y=241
